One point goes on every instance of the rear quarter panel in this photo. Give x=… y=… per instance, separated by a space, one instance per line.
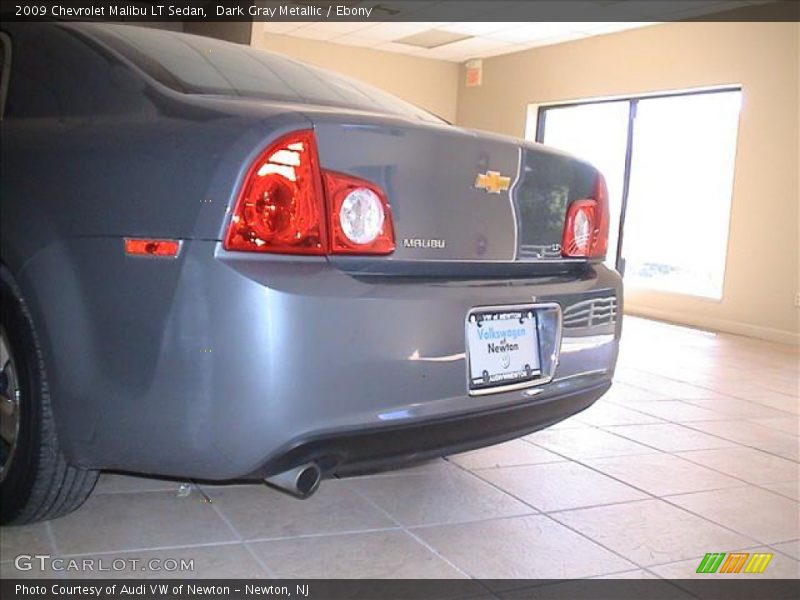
x=92 y=152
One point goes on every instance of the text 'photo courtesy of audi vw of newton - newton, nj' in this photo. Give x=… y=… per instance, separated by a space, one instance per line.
x=222 y=264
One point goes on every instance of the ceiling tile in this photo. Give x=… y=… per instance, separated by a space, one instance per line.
x=559 y=39
x=476 y=28
x=342 y=27
x=432 y=38
x=315 y=33
x=602 y=28
x=532 y=32
x=475 y=47
x=392 y=31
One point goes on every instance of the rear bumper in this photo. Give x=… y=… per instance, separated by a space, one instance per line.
x=376 y=449
x=221 y=366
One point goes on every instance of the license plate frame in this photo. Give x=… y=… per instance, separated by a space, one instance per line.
x=532 y=347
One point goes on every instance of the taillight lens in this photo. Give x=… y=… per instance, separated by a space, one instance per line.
x=285 y=207
x=359 y=216
x=586 y=227
x=281 y=207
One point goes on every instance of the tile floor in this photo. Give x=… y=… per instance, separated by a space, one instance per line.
x=694 y=450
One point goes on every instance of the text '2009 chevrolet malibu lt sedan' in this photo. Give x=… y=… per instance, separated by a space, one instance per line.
x=219 y=263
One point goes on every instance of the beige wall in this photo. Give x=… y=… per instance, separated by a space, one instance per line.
x=430 y=84
x=761 y=277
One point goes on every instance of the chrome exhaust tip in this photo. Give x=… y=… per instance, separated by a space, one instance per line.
x=300 y=482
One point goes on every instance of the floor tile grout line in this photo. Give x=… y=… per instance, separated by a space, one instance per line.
x=389 y=516
x=594 y=541
x=583 y=535
x=124 y=492
x=705 y=386
x=711 y=392
x=675 y=454
x=721 y=417
x=224 y=518
x=780 y=493
x=646 y=445
x=680 y=454
x=641 y=412
x=533 y=513
x=756 y=405
x=51 y=536
x=774 y=544
x=755 y=421
x=742 y=482
x=219 y=543
x=270 y=574
x=266 y=571
x=742 y=444
x=604 y=430
x=149 y=549
x=729 y=528
x=313 y=536
x=708 y=491
x=509 y=466
x=607 y=504
x=663 y=499
x=543 y=512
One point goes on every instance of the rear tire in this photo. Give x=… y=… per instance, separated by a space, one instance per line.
x=36 y=481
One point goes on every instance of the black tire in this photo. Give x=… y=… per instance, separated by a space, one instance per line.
x=38 y=484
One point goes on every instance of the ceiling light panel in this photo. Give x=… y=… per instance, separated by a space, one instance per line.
x=432 y=38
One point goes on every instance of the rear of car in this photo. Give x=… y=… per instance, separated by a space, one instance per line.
x=265 y=266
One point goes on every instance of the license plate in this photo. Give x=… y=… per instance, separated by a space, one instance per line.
x=503 y=348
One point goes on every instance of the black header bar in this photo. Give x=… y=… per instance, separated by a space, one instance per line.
x=404 y=10
x=713 y=588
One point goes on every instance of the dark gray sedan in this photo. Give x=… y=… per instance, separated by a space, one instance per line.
x=219 y=263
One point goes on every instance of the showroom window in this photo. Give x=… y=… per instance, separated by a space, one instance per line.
x=668 y=161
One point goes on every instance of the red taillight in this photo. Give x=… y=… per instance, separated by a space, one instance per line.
x=281 y=208
x=285 y=207
x=360 y=219
x=149 y=247
x=586 y=226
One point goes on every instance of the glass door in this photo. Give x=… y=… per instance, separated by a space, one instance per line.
x=668 y=161
x=597 y=133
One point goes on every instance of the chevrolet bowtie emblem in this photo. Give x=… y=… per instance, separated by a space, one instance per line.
x=492 y=182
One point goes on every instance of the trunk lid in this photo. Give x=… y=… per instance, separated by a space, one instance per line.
x=457 y=196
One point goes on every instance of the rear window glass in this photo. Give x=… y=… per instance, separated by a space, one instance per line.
x=199 y=65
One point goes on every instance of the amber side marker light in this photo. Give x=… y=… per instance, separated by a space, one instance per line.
x=148 y=247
